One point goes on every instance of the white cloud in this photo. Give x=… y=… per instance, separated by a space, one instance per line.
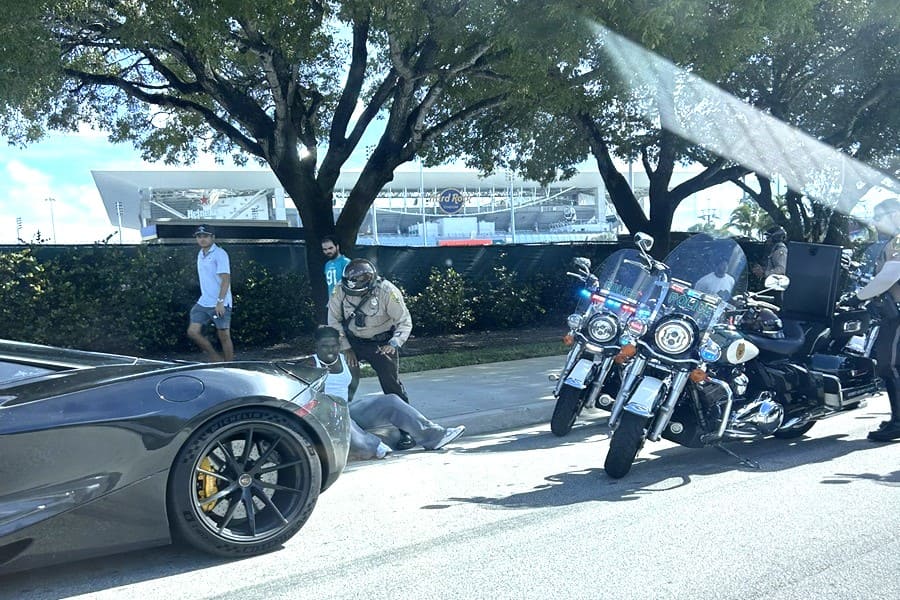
x=76 y=215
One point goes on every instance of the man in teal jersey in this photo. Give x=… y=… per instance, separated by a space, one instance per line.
x=334 y=268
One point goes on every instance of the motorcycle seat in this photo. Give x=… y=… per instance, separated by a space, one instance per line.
x=790 y=344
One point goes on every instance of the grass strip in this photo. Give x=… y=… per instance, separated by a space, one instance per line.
x=477 y=356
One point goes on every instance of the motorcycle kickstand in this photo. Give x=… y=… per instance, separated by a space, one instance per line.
x=747 y=462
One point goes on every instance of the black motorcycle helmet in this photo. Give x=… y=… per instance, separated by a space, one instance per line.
x=360 y=276
x=764 y=322
x=776 y=234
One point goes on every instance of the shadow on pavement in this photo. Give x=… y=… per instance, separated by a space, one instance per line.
x=673 y=467
x=103 y=573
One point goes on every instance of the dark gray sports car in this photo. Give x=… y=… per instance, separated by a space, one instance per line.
x=101 y=453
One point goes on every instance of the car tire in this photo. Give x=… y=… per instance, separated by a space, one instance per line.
x=259 y=476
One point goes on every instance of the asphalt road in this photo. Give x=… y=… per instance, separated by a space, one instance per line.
x=524 y=514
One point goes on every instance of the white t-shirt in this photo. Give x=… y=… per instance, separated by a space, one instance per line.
x=337 y=384
x=210 y=267
x=713 y=284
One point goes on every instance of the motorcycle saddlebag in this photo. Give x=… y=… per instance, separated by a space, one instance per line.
x=847 y=378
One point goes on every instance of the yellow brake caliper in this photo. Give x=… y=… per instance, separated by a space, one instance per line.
x=206 y=484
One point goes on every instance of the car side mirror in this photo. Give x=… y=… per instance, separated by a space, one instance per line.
x=644 y=241
x=776 y=282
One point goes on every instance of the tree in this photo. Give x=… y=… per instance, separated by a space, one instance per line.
x=583 y=107
x=292 y=84
x=835 y=76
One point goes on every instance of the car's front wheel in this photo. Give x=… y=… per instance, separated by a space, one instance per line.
x=244 y=484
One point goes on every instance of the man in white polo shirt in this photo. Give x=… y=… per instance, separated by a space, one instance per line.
x=214 y=304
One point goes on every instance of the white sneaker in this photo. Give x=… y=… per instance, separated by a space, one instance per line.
x=382 y=450
x=449 y=435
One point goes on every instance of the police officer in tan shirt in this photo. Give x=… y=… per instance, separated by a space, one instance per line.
x=886 y=283
x=372 y=318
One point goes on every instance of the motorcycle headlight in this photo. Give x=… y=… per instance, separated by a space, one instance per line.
x=574 y=321
x=674 y=337
x=603 y=328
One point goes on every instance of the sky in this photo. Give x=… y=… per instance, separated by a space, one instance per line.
x=59 y=167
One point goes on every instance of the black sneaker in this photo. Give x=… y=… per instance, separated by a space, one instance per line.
x=405 y=442
x=887 y=432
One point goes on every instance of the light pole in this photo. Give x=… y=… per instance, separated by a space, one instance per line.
x=18 y=230
x=52 y=220
x=119 y=211
x=422 y=202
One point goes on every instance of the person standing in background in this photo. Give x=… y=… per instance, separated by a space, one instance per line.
x=337 y=262
x=215 y=302
x=886 y=284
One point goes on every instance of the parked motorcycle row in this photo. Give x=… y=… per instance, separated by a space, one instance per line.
x=680 y=349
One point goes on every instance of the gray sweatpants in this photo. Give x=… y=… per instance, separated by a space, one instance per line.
x=388 y=409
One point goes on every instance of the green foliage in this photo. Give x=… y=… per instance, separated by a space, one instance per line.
x=444 y=305
x=502 y=301
x=269 y=307
x=23 y=284
x=106 y=299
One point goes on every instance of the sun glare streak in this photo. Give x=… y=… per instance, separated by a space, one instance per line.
x=701 y=113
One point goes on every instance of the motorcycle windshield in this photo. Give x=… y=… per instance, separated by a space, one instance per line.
x=705 y=273
x=624 y=284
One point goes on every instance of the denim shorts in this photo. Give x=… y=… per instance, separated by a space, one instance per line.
x=205 y=315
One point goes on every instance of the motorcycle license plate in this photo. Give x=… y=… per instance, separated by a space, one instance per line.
x=579 y=373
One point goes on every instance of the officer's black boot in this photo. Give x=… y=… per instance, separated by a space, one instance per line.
x=890 y=430
x=405 y=442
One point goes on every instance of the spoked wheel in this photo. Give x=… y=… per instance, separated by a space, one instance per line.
x=793 y=432
x=568 y=406
x=626 y=440
x=244 y=484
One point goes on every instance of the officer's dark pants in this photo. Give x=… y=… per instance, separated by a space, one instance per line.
x=887 y=353
x=387 y=367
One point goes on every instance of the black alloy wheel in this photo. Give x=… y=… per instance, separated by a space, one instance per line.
x=244 y=484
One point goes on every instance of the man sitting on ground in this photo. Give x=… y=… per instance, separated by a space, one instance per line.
x=374 y=411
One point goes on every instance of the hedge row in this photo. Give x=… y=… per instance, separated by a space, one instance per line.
x=105 y=299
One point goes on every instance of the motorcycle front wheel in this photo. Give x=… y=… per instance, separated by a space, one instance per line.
x=568 y=406
x=627 y=440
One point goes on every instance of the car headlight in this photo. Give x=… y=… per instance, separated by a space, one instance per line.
x=574 y=321
x=603 y=328
x=674 y=337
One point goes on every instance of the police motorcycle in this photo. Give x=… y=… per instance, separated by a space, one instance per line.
x=804 y=371
x=668 y=389
x=609 y=298
x=754 y=376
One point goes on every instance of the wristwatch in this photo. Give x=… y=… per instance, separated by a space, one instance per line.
x=220 y=299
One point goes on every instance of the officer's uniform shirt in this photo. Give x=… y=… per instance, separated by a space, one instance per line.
x=776 y=261
x=384 y=309
x=887 y=273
